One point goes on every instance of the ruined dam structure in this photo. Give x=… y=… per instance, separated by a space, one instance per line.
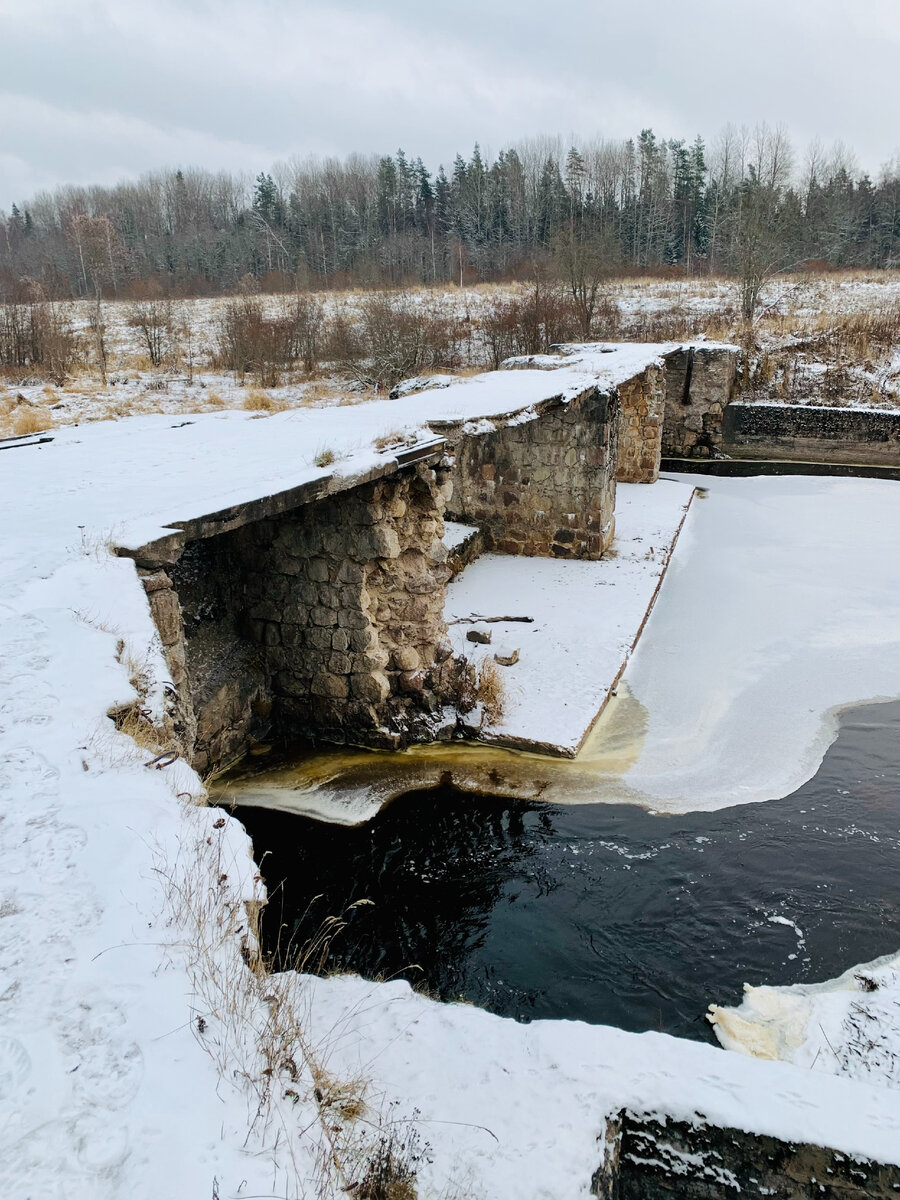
x=317 y=610
x=705 y=417
x=812 y=433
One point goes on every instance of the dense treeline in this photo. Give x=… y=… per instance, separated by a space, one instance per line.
x=744 y=206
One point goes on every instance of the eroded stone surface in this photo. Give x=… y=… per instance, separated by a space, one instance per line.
x=813 y=433
x=546 y=485
x=652 y=1159
x=642 y=410
x=699 y=385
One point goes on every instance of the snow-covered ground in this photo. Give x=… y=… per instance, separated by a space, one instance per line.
x=142 y=1056
x=583 y=618
x=129 y=481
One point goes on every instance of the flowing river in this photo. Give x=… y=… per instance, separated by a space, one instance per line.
x=604 y=912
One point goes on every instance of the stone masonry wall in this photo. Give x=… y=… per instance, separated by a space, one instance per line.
x=545 y=486
x=641 y=413
x=345 y=599
x=699 y=385
x=650 y=1159
x=324 y=621
x=813 y=433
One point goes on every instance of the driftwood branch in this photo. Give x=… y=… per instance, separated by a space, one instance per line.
x=476 y=620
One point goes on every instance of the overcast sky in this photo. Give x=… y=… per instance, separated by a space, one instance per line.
x=97 y=90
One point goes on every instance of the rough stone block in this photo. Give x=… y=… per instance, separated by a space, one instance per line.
x=317 y=570
x=167 y=615
x=405 y=658
x=373 y=686
x=319 y=615
x=327 y=684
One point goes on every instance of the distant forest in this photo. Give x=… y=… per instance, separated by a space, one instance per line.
x=643 y=204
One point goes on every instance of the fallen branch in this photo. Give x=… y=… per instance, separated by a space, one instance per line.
x=476 y=620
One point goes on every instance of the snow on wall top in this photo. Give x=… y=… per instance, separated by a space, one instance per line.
x=132 y=479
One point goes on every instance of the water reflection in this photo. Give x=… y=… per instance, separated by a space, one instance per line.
x=607 y=913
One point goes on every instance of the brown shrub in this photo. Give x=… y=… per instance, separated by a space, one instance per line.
x=156 y=319
x=249 y=342
x=35 y=333
x=389 y=336
x=530 y=324
x=32 y=419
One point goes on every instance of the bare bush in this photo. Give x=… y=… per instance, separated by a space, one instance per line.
x=35 y=333
x=399 y=335
x=250 y=342
x=530 y=324
x=157 y=320
x=309 y=329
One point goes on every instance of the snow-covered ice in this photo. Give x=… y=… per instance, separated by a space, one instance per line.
x=781 y=607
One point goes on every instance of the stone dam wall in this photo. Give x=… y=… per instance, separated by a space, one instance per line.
x=323 y=621
x=812 y=433
x=544 y=486
x=700 y=384
x=648 y=1158
x=318 y=612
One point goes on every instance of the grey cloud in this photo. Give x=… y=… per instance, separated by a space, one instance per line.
x=229 y=84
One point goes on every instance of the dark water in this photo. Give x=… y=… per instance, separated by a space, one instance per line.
x=606 y=913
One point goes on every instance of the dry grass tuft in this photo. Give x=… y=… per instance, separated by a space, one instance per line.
x=257 y=400
x=214 y=400
x=390 y=1172
x=136 y=722
x=346 y=1097
x=32 y=419
x=394 y=440
x=319 y=389
x=490 y=691
x=325 y=457
x=481 y=684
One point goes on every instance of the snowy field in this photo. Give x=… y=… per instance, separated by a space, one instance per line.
x=144 y=1052
x=830 y=339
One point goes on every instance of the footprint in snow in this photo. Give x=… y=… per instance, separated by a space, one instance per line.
x=109 y=1075
x=15 y=1067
